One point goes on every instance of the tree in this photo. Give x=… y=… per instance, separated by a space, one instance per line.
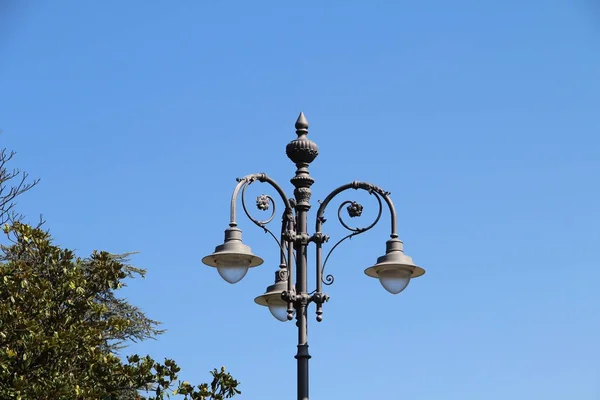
x=62 y=327
x=13 y=182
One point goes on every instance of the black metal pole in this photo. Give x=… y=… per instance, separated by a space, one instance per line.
x=302 y=152
x=301 y=311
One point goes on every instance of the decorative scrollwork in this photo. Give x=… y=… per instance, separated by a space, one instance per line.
x=282 y=274
x=354 y=209
x=263 y=202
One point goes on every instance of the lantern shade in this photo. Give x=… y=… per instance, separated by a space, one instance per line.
x=232 y=258
x=395 y=269
x=272 y=299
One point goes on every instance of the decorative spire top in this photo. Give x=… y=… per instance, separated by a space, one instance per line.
x=302 y=150
x=301 y=125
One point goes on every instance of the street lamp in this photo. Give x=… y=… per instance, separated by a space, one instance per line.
x=284 y=298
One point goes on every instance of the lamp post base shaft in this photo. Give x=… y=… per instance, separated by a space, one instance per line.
x=303 y=356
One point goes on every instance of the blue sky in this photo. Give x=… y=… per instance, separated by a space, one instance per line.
x=481 y=118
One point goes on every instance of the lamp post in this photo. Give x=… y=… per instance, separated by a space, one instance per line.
x=286 y=298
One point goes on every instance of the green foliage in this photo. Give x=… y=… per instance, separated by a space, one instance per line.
x=61 y=327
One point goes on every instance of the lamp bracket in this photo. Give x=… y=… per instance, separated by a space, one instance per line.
x=319 y=238
x=289 y=296
x=302 y=239
x=289 y=236
x=319 y=298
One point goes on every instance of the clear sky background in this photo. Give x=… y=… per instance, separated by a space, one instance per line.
x=481 y=117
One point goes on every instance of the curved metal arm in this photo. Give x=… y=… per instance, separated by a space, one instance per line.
x=372 y=189
x=287 y=217
x=287 y=223
x=369 y=187
x=329 y=279
x=248 y=179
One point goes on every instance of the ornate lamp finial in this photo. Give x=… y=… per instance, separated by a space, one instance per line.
x=302 y=151
x=301 y=125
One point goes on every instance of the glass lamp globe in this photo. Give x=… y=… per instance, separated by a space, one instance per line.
x=394 y=280
x=233 y=270
x=272 y=299
x=278 y=308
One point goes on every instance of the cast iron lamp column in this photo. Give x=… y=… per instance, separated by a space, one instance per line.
x=284 y=299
